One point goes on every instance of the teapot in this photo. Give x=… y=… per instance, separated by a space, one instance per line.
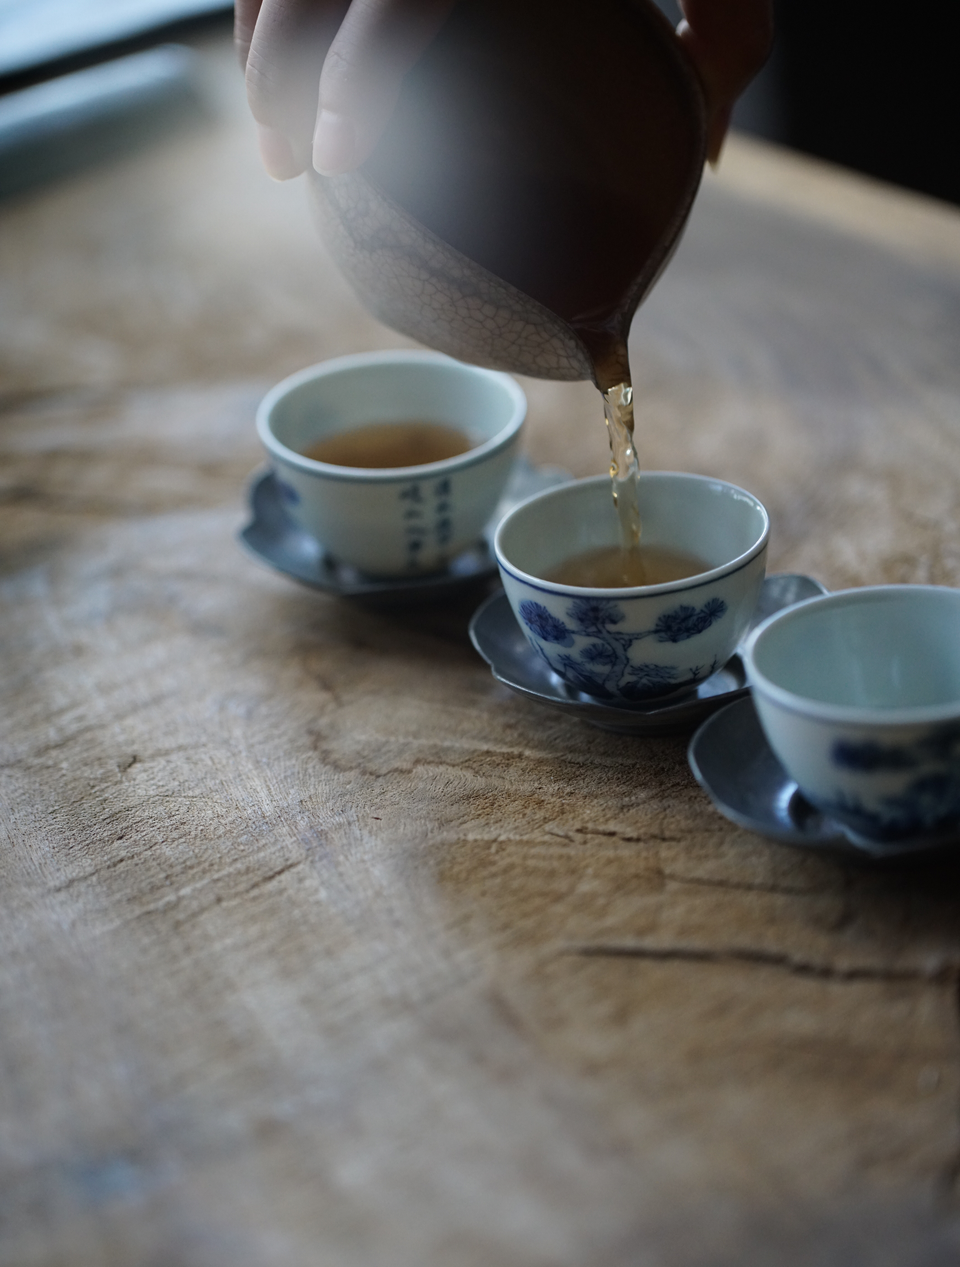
x=531 y=186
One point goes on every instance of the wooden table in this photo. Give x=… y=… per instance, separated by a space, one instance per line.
x=295 y=898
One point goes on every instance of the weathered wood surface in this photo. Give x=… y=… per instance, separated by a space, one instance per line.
x=294 y=895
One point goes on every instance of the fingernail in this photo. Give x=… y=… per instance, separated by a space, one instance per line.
x=334 y=144
x=278 y=158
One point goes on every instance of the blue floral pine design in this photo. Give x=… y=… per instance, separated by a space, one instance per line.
x=602 y=667
x=545 y=625
x=943 y=744
x=929 y=802
x=686 y=622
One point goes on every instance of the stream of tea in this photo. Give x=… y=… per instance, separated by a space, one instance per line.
x=629 y=563
x=632 y=563
x=624 y=474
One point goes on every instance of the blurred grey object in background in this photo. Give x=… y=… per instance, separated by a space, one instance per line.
x=37 y=33
x=55 y=128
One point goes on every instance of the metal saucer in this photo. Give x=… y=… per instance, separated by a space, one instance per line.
x=499 y=639
x=733 y=763
x=273 y=538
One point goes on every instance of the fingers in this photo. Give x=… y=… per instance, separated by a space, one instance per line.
x=275 y=150
x=323 y=76
x=244 y=20
x=276 y=154
x=289 y=41
x=728 y=41
x=377 y=43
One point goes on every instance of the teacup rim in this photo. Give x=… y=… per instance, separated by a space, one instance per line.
x=685 y=584
x=849 y=714
x=386 y=474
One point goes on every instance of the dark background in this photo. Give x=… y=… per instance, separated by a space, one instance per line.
x=875 y=87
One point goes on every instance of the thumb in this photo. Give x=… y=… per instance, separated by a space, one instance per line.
x=728 y=42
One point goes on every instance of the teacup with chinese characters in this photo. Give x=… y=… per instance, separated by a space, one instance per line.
x=393 y=520
x=634 y=644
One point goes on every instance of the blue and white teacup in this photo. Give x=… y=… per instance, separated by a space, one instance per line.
x=393 y=521
x=858 y=693
x=632 y=645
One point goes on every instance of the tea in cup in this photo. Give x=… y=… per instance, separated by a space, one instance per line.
x=703 y=553
x=393 y=461
x=858 y=693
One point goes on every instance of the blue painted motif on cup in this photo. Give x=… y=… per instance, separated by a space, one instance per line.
x=603 y=667
x=929 y=802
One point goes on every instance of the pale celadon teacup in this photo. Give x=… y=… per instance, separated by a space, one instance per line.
x=632 y=645
x=858 y=693
x=393 y=521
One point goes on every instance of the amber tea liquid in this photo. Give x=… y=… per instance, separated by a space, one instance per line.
x=630 y=563
x=379 y=445
x=609 y=567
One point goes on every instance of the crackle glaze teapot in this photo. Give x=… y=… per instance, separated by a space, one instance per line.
x=530 y=188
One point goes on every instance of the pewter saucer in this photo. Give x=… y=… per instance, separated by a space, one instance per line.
x=499 y=639
x=274 y=538
x=733 y=763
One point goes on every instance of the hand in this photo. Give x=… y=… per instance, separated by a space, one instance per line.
x=330 y=118
x=334 y=118
x=728 y=41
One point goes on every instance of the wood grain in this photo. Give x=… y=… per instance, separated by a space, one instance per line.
x=317 y=945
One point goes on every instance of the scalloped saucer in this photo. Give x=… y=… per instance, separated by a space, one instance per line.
x=733 y=763
x=275 y=539
x=500 y=640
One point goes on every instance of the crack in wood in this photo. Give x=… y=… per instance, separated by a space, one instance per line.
x=741 y=886
x=80 y=396
x=173 y=900
x=947 y=1183
x=936 y=973
x=84 y=877
x=96 y=725
x=272 y=875
x=651 y=837
x=99 y=507
x=414 y=765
